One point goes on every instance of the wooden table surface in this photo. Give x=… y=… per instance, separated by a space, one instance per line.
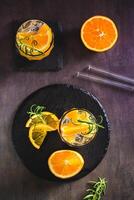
x=16 y=182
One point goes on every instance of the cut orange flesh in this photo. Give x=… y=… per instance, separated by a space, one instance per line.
x=37 y=134
x=99 y=33
x=49 y=119
x=65 y=163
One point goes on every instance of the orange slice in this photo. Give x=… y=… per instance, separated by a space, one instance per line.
x=37 y=134
x=75 y=114
x=99 y=33
x=69 y=134
x=49 y=119
x=67 y=130
x=65 y=163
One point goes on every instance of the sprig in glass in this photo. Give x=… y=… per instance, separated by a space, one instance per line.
x=91 y=124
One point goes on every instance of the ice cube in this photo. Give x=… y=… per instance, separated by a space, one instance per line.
x=79 y=138
x=66 y=120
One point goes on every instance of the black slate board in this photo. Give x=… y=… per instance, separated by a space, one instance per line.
x=54 y=62
x=58 y=99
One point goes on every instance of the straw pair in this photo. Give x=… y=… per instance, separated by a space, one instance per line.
x=107 y=78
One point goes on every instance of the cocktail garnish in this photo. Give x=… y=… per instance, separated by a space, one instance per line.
x=37 y=110
x=93 y=125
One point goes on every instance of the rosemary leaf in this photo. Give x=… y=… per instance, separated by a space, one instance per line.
x=97 y=189
x=36 y=110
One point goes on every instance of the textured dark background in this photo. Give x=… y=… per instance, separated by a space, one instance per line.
x=16 y=182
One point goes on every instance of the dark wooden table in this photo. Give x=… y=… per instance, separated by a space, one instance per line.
x=16 y=182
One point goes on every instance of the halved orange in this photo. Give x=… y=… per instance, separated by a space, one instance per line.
x=99 y=33
x=65 y=163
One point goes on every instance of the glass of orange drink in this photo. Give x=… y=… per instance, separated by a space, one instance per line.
x=34 y=40
x=77 y=127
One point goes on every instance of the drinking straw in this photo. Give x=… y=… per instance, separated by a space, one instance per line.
x=104 y=81
x=117 y=77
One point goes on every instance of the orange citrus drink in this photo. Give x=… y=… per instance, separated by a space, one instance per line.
x=34 y=40
x=77 y=127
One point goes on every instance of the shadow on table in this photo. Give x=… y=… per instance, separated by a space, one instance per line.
x=6 y=58
x=28 y=188
x=74 y=48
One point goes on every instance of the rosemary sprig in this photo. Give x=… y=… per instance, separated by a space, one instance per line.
x=97 y=189
x=36 y=110
x=91 y=124
x=101 y=119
